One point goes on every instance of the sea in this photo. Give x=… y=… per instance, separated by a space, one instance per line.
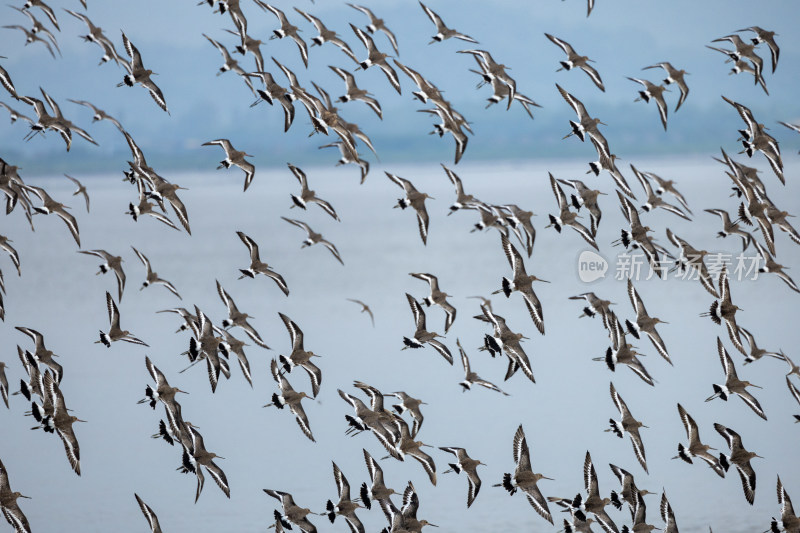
x=565 y=413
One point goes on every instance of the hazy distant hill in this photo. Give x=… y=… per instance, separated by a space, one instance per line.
x=204 y=106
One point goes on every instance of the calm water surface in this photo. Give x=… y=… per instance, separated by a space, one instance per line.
x=564 y=413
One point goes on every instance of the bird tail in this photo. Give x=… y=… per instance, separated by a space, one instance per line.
x=631 y=328
x=331 y=513
x=615 y=428
x=276 y=400
x=365 y=497
x=615 y=501
x=506 y=287
x=507 y=484
x=609 y=359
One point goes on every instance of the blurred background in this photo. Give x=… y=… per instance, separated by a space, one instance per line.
x=507 y=161
x=622 y=37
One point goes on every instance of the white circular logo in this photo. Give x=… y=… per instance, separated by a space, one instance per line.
x=591 y=266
